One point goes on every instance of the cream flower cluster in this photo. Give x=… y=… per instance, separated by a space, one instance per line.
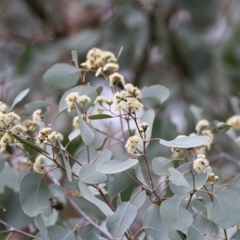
x=234 y=122
x=73 y=98
x=47 y=136
x=38 y=165
x=100 y=61
x=132 y=144
x=201 y=164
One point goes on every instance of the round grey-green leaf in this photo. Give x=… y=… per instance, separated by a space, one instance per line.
x=225 y=210
x=161 y=165
x=34 y=193
x=154 y=225
x=61 y=76
x=200 y=229
x=120 y=221
x=90 y=175
x=175 y=215
x=115 y=166
x=154 y=96
x=186 y=142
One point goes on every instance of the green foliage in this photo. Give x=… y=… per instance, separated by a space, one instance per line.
x=116 y=168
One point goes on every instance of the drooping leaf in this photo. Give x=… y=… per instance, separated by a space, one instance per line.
x=19 y=98
x=99 y=90
x=199 y=180
x=99 y=116
x=74 y=134
x=30 y=144
x=200 y=229
x=61 y=76
x=153 y=224
x=235 y=184
x=186 y=142
x=115 y=166
x=161 y=165
x=88 y=195
x=221 y=127
x=2 y=161
x=9 y=178
x=119 y=182
x=140 y=176
x=138 y=199
x=86 y=132
x=154 y=96
x=225 y=210
x=94 y=236
x=90 y=175
x=81 y=90
x=105 y=155
x=34 y=105
x=66 y=162
x=177 y=178
x=39 y=222
x=34 y=193
x=118 y=223
x=175 y=216
x=75 y=58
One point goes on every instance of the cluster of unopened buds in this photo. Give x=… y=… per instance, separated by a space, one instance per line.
x=212 y=179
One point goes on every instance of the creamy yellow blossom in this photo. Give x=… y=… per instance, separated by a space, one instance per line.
x=201 y=164
x=201 y=125
x=234 y=122
x=38 y=165
x=115 y=79
x=132 y=144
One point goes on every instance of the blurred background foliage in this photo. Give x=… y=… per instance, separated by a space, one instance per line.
x=189 y=46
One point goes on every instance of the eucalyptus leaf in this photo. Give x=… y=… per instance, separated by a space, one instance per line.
x=9 y=178
x=30 y=144
x=174 y=215
x=105 y=155
x=199 y=207
x=65 y=161
x=39 y=222
x=34 y=193
x=119 y=222
x=154 y=96
x=34 y=105
x=221 y=127
x=90 y=175
x=177 y=178
x=186 y=142
x=88 y=195
x=61 y=76
x=235 y=184
x=58 y=232
x=225 y=210
x=94 y=236
x=99 y=116
x=153 y=224
x=2 y=161
x=86 y=132
x=99 y=90
x=19 y=98
x=199 y=180
x=75 y=58
x=74 y=134
x=115 y=166
x=161 y=165
x=138 y=199
x=200 y=229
